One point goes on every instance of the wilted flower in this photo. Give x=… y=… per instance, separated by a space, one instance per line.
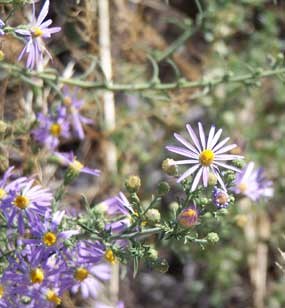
x=252 y=183
x=220 y=198
x=38 y=30
x=73 y=106
x=206 y=155
x=188 y=217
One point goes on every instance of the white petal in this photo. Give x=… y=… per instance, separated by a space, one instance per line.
x=193 y=137
x=196 y=180
x=210 y=137
x=186 y=143
x=220 y=144
x=215 y=139
x=202 y=135
x=226 y=148
x=188 y=173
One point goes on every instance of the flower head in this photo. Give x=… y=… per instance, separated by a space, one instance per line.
x=188 y=217
x=252 y=183
x=38 y=30
x=73 y=106
x=220 y=198
x=69 y=159
x=204 y=154
x=26 y=202
x=51 y=129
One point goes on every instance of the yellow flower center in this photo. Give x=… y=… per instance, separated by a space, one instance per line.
x=81 y=273
x=37 y=275
x=49 y=238
x=36 y=31
x=67 y=101
x=109 y=256
x=21 y=202
x=76 y=165
x=55 y=129
x=206 y=157
x=188 y=218
x=222 y=198
x=52 y=297
x=1 y=291
x=242 y=187
x=2 y=193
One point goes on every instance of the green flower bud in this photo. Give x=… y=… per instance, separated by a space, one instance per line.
x=212 y=180
x=4 y=163
x=169 y=167
x=152 y=254
x=152 y=216
x=163 y=188
x=239 y=163
x=174 y=206
x=213 y=237
x=133 y=183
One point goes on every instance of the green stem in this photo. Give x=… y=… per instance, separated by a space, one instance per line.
x=116 y=87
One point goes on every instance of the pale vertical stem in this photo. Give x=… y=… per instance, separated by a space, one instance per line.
x=109 y=112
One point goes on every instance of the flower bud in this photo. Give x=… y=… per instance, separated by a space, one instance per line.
x=220 y=198
x=239 y=163
x=212 y=179
x=163 y=188
x=213 y=237
x=174 y=206
x=152 y=254
x=169 y=167
x=152 y=216
x=133 y=183
x=188 y=217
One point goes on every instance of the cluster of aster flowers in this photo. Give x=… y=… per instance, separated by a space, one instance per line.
x=208 y=158
x=33 y=36
x=42 y=259
x=61 y=123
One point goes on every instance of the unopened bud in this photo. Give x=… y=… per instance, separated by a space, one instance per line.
x=152 y=216
x=188 y=217
x=169 y=167
x=174 y=206
x=239 y=163
x=212 y=179
x=133 y=183
x=163 y=188
x=213 y=237
x=152 y=254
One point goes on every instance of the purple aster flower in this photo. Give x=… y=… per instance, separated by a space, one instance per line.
x=51 y=129
x=38 y=30
x=188 y=217
x=27 y=201
x=69 y=159
x=47 y=237
x=220 y=198
x=252 y=183
x=205 y=154
x=2 y=24
x=88 y=274
x=73 y=106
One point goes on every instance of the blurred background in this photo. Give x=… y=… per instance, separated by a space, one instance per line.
x=226 y=36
